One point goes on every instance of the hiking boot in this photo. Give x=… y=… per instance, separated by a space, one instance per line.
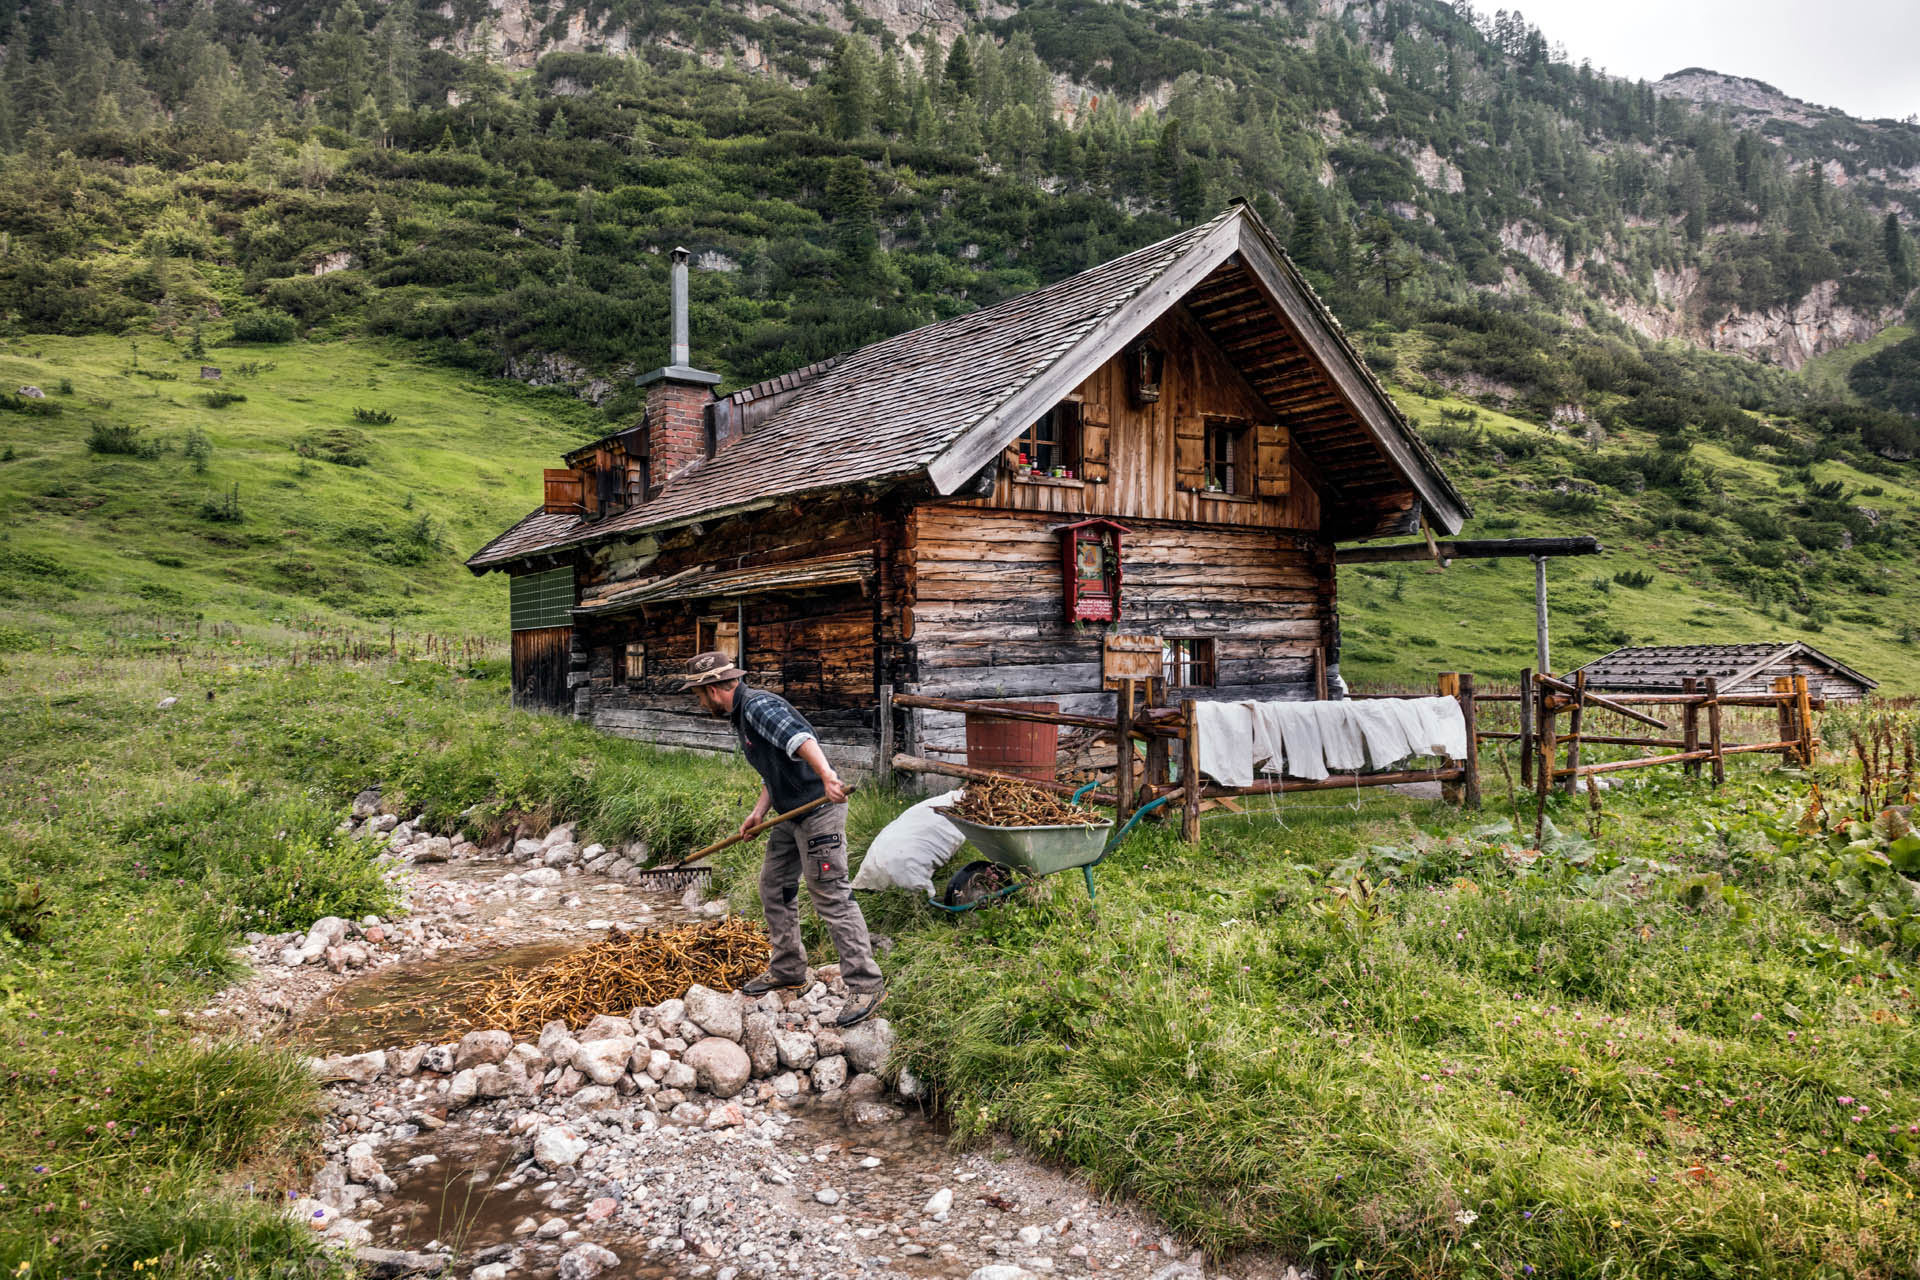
x=859 y=1007
x=767 y=982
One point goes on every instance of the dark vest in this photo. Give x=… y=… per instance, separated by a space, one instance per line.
x=791 y=782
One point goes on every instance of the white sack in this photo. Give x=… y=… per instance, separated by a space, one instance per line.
x=911 y=848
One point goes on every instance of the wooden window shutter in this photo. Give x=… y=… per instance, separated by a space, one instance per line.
x=1272 y=460
x=566 y=491
x=1095 y=442
x=1190 y=453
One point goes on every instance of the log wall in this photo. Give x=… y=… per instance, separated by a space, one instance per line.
x=986 y=612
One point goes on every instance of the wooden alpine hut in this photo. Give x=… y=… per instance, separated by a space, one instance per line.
x=1173 y=443
x=1736 y=668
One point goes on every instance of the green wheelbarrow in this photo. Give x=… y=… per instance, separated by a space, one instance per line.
x=1033 y=852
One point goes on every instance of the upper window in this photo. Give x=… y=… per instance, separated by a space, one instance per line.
x=1229 y=469
x=630 y=663
x=718 y=634
x=1053 y=441
x=1189 y=663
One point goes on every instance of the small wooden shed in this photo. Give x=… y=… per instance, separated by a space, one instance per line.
x=1172 y=444
x=1739 y=668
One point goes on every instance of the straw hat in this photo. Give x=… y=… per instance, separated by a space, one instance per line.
x=709 y=668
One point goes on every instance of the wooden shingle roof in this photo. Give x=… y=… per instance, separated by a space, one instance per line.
x=943 y=400
x=1661 y=668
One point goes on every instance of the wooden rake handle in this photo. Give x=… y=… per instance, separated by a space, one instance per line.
x=758 y=828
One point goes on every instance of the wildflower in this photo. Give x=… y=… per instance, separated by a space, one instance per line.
x=1466 y=1217
x=1845 y=1102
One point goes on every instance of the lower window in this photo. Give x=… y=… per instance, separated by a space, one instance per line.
x=630 y=663
x=1189 y=663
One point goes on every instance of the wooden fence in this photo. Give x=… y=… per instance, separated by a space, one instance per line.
x=1145 y=739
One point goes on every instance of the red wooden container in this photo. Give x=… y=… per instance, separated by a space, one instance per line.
x=1018 y=747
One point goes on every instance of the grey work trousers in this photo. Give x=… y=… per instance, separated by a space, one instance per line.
x=815 y=847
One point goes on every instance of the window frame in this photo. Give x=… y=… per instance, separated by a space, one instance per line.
x=1197 y=657
x=1237 y=463
x=1065 y=429
x=715 y=622
x=627 y=673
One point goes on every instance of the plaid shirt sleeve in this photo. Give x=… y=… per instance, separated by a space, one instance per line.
x=776 y=721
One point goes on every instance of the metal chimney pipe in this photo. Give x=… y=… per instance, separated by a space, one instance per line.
x=682 y=357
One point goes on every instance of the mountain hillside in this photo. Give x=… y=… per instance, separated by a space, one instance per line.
x=1602 y=295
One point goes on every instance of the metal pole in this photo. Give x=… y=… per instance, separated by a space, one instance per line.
x=1541 y=662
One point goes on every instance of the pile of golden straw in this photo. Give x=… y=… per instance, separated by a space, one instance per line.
x=624 y=972
x=1002 y=802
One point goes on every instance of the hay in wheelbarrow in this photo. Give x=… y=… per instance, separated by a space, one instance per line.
x=1004 y=802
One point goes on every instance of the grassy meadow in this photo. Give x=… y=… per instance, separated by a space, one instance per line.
x=1372 y=1031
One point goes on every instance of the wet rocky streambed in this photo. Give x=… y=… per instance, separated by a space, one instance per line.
x=709 y=1136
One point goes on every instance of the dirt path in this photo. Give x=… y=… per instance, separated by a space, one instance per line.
x=716 y=1137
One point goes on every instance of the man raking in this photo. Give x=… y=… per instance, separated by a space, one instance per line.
x=782 y=748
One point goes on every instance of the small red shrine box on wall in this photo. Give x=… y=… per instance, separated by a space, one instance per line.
x=1090 y=569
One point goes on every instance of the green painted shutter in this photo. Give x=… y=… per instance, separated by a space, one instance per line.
x=541 y=600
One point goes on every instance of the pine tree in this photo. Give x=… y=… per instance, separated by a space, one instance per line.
x=557 y=127
x=850 y=89
x=1894 y=243
x=373 y=238
x=957 y=81
x=339 y=71
x=851 y=201
x=889 y=97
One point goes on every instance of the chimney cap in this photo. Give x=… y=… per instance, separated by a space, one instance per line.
x=680 y=253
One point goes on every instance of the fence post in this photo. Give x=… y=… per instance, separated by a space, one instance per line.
x=1543 y=768
x=1803 y=716
x=1123 y=763
x=1784 y=712
x=1574 y=721
x=1690 y=725
x=1526 y=727
x=883 y=763
x=1190 y=774
x=1470 y=710
x=1451 y=792
x=1713 y=732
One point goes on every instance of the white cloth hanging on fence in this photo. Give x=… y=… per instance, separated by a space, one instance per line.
x=1341 y=745
x=1269 y=743
x=1300 y=729
x=1225 y=746
x=1381 y=727
x=1446 y=731
x=1413 y=723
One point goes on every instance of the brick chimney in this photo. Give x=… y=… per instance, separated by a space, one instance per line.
x=677 y=397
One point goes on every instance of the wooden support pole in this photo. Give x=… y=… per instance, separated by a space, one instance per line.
x=1690 y=726
x=1123 y=764
x=883 y=759
x=1540 y=653
x=1450 y=688
x=1004 y=711
x=1605 y=704
x=1643 y=762
x=1784 y=685
x=1543 y=769
x=1713 y=732
x=1190 y=773
x=1470 y=710
x=1529 y=697
x=1803 y=718
x=1159 y=770
x=1573 y=730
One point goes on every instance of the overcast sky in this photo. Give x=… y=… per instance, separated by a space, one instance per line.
x=1862 y=56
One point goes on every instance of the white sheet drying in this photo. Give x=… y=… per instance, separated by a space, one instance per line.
x=1225 y=745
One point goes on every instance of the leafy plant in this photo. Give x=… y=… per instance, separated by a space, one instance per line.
x=224 y=509
x=342 y=446
x=373 y=417
x=221 y=399
x=121 y=439
x=24 y=911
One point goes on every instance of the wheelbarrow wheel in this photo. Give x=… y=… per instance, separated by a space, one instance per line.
x=976 y=882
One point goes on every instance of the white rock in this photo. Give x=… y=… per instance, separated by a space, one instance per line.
x=785 y=1085
x=1030 y=1236
x=910 y=1086
x=491 y=1271
x=868 y=1044
x=551 y=1229
x=713 y=1012
x=592 y=851
x=478 y=1047
x=607 y=1027
x=360 y=1068
x=541 y=877
x=462 y=1089
x=439 y=1058
x=721 y=1066
x=164 y=703
x=827 y=1195
x=407 y=1062
x=557 y=1147
x=327 y=931
x=560 y=855
x=585 y=1262
x=796 y=1049
x=362 y=1166
x=603 y=1061
x=432 y=849
x=829 y=1073
x=562 y=834
x=680 y=1076
x=939 y=1202
x=525 y=849
x=1002 y=1271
